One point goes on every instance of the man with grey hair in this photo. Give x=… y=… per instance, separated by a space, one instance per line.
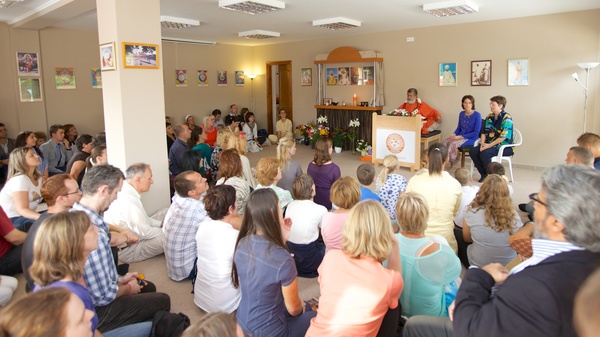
x=581 y=156
x=128 y=212
x=536 y=297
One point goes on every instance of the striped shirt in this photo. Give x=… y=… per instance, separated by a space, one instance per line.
x=543 y=249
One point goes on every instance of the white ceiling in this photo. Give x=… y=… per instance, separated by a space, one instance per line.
x=294 y=22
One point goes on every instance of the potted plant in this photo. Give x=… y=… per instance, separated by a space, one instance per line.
x=364 y=148
x=338 y=138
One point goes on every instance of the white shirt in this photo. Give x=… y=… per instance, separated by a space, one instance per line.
x=128 y=212
x=306 y=217
x=469 y=193
x=214 y=290
x=20 y=183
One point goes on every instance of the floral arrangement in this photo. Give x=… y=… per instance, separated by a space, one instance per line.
x=405 y=113
x=305 y=130
x=318 y=132
x=352 y=131
x=338 y=136
x=363 y=147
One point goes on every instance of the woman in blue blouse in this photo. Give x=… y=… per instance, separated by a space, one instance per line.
x=468 y=129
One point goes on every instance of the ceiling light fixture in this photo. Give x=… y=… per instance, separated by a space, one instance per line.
x=252 y=6
x=258 y=34
x=8 y=3
x=171 y=22
x=336 y=23
x=450 y=8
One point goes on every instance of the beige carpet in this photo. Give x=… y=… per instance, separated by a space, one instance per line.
x=527 y=181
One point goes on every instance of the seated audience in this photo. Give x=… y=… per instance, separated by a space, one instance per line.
x=580 y=155
x=209 y=128
x=467 y=131
x=71 y=135
x=283 y=128
x=390 y=184
x=592 y=142
x=306 y=217
x=365 y=173
x=219 y=124
x=7 y=145
x=191 y=123
x=442 y=192
x=497 y=168
x=323 y=171
x=183 y=134
x=265 y=272
x=181 y=223
x=290 y=168
x=233 y=120
x=345 y=193
x=100 y=139
x=359 y=297
x=205 y=150
x=414 y=106
x=251 y=129
x=230 y=174
x=564 y=255
x=116 y=302
x=60 y=192
x=268 y=174
x=57 y=150
x=428 y=264
x=463 y=176
x=28 y=138
x=98 y=156
x=8 y=285
x=218 y=324
x=65 y=240
x=128 y=212
x=41 y=138
x=170 y=136
x=237 y=141
x=11 y=246
x=77 y=163
x=215 y=239
x=52 y=312
x=222 y=138
x=20 y=196
x=488 y=222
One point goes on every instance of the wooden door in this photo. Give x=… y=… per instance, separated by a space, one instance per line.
x=284 y=75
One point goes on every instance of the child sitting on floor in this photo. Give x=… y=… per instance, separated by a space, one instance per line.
x=366 y=177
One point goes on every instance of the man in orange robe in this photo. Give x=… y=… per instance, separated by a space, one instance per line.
x=413 y=105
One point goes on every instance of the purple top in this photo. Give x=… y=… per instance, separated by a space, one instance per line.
x=324 y=176
x=469 y=127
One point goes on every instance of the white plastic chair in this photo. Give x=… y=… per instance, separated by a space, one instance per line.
x=517 y=141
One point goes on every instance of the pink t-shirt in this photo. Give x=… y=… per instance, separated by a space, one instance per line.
x=355 y=296
x=331 y=229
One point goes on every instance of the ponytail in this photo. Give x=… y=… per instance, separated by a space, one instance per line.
x=438 y=153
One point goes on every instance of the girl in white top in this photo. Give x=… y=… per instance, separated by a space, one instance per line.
x=21 y=194
x=442 y=192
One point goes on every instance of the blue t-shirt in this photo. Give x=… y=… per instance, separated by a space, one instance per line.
x=263 y=269
x=82 y=293
x=367 y=194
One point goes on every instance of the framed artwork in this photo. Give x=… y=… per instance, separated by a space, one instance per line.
x=139 y=55
x=64 y=77
x=447 y=74
x=96 y=78
x=518 y=72
x=107 y=56
x=327 y=101
x=239 y=78
x=332 y=75
x=481 y=73
x=306 y=79
x=181 y=78
x=202 y=78
x=28 y=64
x=343 y=76
x=355 y=76
x=222 y=78
x=368 y=73
x=30 y=89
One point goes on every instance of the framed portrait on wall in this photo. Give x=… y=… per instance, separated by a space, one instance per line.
x=447 y=74
x=96 y=78
x=306 y=79
x=518 y=72
x=481 y=73
x=30 y=89
x=140 y=55
x=107 y=56
x=332 y=75
x=28 y=64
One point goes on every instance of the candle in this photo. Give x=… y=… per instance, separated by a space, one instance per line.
x=354 y=100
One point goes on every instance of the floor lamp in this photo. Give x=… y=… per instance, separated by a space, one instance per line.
x=252 y=77
x=587 y=66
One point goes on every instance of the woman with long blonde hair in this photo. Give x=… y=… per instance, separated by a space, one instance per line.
x=237 y=141
x=290 y=168
x=390 y=184
x=489 y=221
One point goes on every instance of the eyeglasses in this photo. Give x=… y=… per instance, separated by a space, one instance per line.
x=76 y=192
x=534 y=197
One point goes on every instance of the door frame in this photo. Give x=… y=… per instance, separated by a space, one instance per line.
x=290 y=114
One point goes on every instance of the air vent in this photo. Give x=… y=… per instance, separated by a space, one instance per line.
x=258 y=34
x=336 y=23
x=451 y=8
x=171 y=22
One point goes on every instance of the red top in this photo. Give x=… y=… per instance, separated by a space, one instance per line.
x=211 y=137
x=5 y=227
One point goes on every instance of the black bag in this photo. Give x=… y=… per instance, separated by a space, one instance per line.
x=166 y=324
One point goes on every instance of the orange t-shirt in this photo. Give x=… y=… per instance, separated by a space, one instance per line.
x=355 y=296
x=425 y=110
x=211 y=137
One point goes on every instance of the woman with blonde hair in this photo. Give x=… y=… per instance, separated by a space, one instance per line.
x=208 y=126
x=290 y=168
x=323 y=171
x=390 y=184
x=442 y=192
x=268 y=173
x=230 y=174
x=428 y=264
x=489 y=221
x=237 y=141
x=359 y=296
x=218 y=324
x=222 y=138
x=48 y=313
x=345 y=193
x=21 y=194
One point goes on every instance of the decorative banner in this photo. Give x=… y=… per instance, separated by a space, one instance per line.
x=64 y=78
x=222 y=78
x=27 y=64
x=398 y=143
x=239 y=78
x=30 y=89
x=202 y=78
x=181 y=78
x=96 y=78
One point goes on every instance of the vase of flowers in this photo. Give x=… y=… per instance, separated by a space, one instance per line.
x=363 y=147
x=353 y=132
x=305 y=130
x=321 y=130
x=338 y=137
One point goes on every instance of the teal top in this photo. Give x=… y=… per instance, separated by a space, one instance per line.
x=205 y=152
x=425 y=277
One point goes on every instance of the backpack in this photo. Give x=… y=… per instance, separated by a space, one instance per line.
x=166 y=324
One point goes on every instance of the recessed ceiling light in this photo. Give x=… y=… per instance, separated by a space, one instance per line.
x=450 y=8
x=336 y=23
x=252 y=6
x=171 y=22
x=258 y=34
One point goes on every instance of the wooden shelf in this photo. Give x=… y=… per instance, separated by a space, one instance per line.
x=349 y=107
